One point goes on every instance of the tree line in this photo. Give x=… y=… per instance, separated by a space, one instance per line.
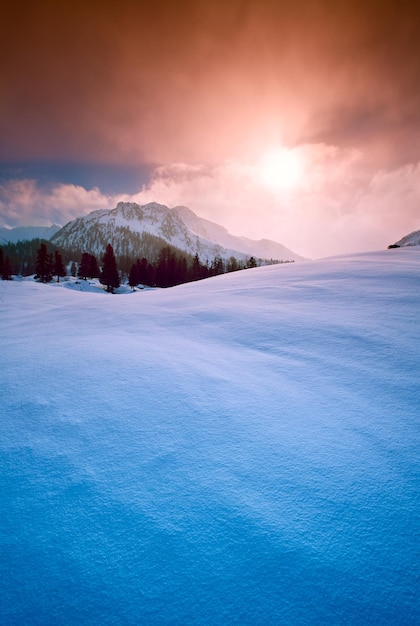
x=171 y=267
x=174 y=269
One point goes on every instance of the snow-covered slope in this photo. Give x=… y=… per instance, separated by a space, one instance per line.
x=413 y=239
x=179 y=227
x=21 y=233
x=264 y=248
x=241 y=450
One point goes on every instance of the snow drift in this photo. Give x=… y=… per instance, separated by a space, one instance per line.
x=241 y=450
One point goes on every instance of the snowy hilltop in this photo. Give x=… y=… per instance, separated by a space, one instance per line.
x=129 y=228
x=413 y=239
x=239 y=450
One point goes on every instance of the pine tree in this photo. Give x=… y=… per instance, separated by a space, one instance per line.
x=44 y=264
x=166 y=270
x=50 y=266
x=7 y=270
x=196 y=268
x=109 y=276
x=218 y=266
x=181 y=270
x=150 y=276
x=84 y=266
x=88 y=267
x=58 y=266
x=133 y=276
x=143 y=272
x=232 y=264
x=172 y=270
x=1 y=261
x=93 y=267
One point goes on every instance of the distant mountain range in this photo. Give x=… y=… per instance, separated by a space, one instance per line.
x=25 y=233
x=137 y=231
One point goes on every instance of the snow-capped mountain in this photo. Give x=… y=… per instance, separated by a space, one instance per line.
x=264 y=248
x=413 y=239
x=23 y=233
x=130 y=227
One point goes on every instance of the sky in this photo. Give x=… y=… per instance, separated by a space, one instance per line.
x=238 y=450
x=294 y=121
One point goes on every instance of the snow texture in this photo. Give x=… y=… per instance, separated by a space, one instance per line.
x=240 y=450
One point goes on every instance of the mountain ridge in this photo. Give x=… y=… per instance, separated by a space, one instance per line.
x=128 y=223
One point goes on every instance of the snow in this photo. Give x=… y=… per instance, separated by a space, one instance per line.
x=412 y=239
x=180 y=227
x=264 y=248
x=240 y=450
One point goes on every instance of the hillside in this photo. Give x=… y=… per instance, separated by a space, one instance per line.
x=239 y=450
x=263 y=249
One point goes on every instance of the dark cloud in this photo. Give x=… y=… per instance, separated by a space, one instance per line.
x=110 y=178
x=115 y=82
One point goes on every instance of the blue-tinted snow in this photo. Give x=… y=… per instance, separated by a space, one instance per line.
x=242 y=450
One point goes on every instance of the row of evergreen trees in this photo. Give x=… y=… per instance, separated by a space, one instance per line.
x=23 y=255
x=171 y=267
x=49 y=265
x=170 y=270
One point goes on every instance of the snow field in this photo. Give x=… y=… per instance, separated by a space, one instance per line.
x=240 y=450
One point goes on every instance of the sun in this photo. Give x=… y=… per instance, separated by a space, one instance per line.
x=280 y=169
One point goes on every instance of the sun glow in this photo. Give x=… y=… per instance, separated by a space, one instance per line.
x=280 y=169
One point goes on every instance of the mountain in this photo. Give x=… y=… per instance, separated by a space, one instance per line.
x=264 y=248
x=23 y=233
x=136 y=231
x=413 y=239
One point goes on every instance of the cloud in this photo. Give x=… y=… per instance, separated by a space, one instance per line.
x=338 y=206
x=24 y=203
x=202 y=82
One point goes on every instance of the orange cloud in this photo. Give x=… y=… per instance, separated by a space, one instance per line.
x=202 y=82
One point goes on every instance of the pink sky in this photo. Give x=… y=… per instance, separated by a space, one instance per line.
x=203 y=90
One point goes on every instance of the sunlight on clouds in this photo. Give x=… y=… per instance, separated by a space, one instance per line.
x=337 y=206
x=280 y=168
